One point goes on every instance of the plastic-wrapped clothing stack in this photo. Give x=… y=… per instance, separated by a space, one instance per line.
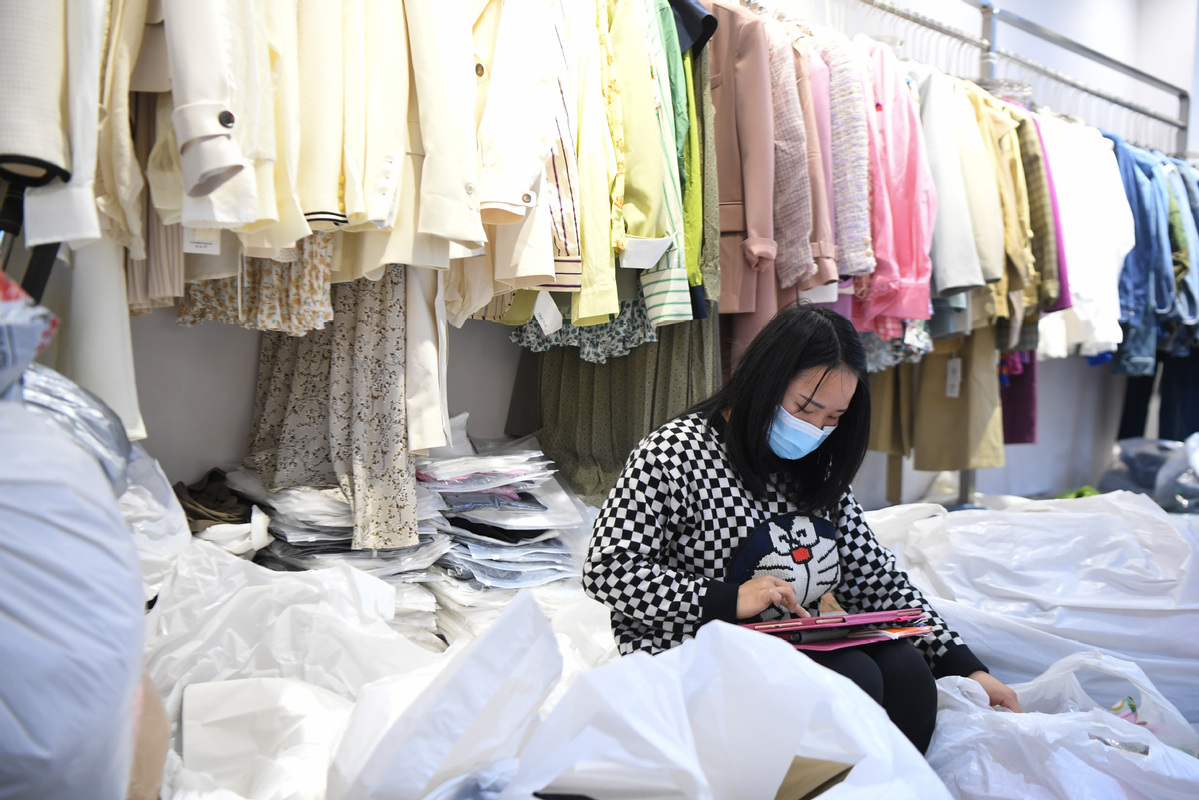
x=512 y=526
x=488 y=525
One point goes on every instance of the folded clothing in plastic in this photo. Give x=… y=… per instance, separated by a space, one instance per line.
x=380 y=563
x=496 y=533
x=319 y=507
x=477 y=501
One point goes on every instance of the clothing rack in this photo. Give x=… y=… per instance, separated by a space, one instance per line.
x=990 y=55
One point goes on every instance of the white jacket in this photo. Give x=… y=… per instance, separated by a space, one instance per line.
x=58 y=212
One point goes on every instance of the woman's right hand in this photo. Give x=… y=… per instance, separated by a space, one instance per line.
x=756 y=595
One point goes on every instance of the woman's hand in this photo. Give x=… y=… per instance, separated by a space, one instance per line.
x=998 y=691
x=757 y=595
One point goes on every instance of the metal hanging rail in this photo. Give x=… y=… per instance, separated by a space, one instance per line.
x=992 y=53
x=1066 y=80
x=993 y=16
x=929 y=22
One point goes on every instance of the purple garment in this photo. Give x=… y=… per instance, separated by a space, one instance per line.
x=1018 y=400
x=1063 y=301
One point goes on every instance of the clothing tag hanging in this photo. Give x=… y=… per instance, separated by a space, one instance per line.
x=206 y=241
x=953 y=377
x=546 y=312
x=644 y=254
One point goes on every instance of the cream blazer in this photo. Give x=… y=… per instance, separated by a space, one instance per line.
x=512 y=151
x=64 y=212
x=223 y=120
x=441 y=47
x=385 y=231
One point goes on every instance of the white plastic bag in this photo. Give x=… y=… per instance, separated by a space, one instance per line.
x=474 y=714
x=1059 y=749
x=262 y=738
x=1057 y=690
x=155 y=518
x=1038 y=581
x=1177 y=485
x=219 y=617
x=723 y=716
x=70 y=619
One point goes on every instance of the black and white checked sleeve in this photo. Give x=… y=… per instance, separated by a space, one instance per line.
x=626 y=568
x=870 y=581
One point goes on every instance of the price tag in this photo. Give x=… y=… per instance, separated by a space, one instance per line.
x=953 y=377
x=911 y=335
x=546 y=312
x=205 y=241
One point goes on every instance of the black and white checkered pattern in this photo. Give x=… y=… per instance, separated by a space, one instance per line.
x=673 y=522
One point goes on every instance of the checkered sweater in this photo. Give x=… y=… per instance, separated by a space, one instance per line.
x=679 y=533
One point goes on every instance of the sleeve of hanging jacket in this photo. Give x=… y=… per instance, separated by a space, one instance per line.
x=203 y=119
x=66 y=212
x=792 y=184
x=514 y=147
x=442 y=52
x=755 y=131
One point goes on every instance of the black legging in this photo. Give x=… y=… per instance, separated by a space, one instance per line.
x=896 y=675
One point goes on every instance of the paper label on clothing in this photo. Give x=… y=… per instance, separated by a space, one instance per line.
x=911 y=335
x=546 y=312
x=205 y=241
x=953 y=377
x=644 y=253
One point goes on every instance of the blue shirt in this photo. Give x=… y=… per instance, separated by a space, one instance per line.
x=1161 y=278
x=1141 y=261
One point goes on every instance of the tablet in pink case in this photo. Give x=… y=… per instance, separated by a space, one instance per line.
x=836 y=631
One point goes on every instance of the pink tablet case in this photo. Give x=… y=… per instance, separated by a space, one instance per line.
x=832 y=632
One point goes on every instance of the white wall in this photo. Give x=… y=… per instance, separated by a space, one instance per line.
x=196 y=388
x=197 y=384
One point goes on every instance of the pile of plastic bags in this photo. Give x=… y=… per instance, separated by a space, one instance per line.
x=1039 y=581
x=271 y=676
x=1065 y=745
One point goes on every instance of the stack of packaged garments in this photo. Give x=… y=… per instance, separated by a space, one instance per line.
x=503 y=511
x=467 y=608
x=506 y=513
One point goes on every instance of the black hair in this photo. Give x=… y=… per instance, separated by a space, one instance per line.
x=798 y=338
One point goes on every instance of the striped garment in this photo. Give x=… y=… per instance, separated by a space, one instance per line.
x=667 y=293
x=562 y=171
x=1040 y=209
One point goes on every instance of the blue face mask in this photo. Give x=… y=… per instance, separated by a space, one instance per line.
x=792 y=438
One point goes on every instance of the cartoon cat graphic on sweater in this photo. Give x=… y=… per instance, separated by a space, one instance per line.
x=799 y=549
